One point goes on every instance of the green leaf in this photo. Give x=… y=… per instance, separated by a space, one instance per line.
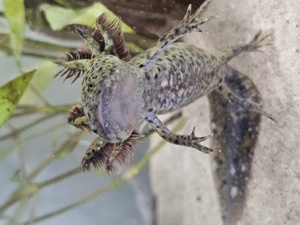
x=11 y=93
x=42 y=79
x=15 y=15
x=59 y=17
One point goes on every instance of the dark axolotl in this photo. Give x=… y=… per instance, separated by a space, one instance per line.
x=118 y=92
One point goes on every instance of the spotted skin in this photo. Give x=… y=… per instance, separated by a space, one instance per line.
x=161 y=79
x=118 y=94
x=184 y=74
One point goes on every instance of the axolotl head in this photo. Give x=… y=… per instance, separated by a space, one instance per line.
x=113 y=97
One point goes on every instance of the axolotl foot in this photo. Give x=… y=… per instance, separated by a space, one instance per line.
x=78 y=119
x=184 y=140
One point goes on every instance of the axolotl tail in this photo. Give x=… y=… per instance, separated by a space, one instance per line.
x=235 y=133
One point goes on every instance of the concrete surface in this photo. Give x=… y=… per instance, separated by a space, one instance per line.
x=182 y=177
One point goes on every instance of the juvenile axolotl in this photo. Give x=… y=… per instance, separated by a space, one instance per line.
x=118 y=92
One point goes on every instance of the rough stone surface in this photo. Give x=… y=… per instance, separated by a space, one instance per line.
x=182 y=177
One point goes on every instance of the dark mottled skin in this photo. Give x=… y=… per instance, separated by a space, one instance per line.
x=117 y=95
x=184 y=74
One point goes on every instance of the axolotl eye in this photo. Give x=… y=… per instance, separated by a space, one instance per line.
x=121 y=106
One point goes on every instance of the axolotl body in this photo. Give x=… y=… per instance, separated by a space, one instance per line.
x=117 y=95
x=124 y=94
x=118 y=92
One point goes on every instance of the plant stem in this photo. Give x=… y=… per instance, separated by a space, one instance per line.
x=60 y=177
x=29 y=189
x=27 y=126
x=133 y=171
x=27 y=110
x=6 y=151
x=32 y=188
x=68 y=145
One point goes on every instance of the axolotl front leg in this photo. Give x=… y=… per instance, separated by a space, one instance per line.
x=184 y=140
x=190 y=23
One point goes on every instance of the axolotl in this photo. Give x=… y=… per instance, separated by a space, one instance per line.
x=118 y=92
